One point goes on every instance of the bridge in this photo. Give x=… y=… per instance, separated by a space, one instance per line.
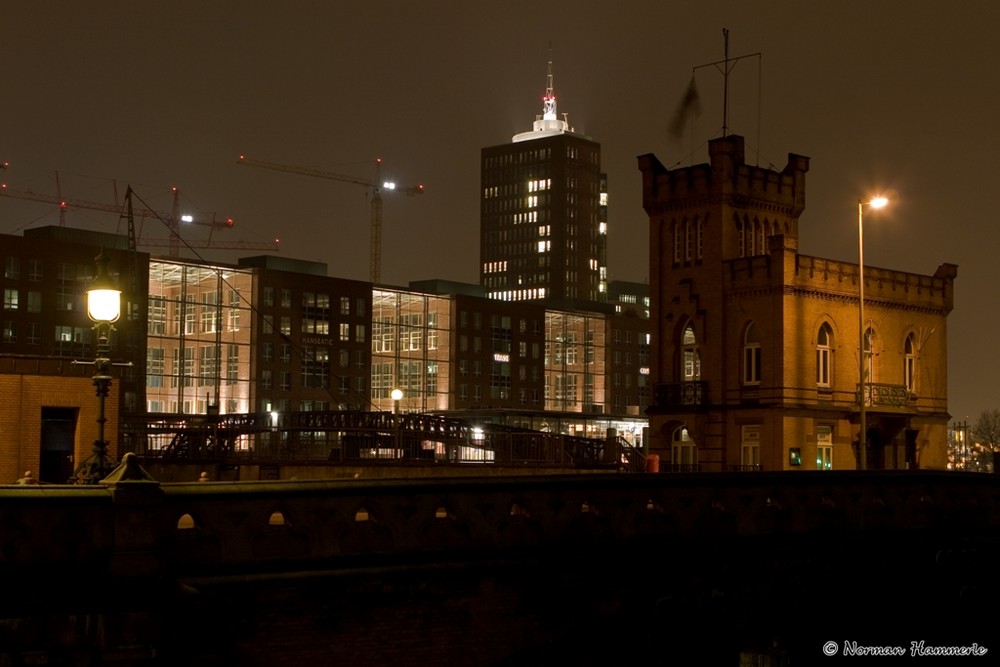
x=597 y=569
x=263 y=444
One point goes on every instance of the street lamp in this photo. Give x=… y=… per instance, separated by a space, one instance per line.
x=397 y=396
x=104 y=308
x=875 y=202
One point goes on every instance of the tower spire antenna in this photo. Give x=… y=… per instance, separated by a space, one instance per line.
x=726 y=67
x=548 y=123
x=549 y=108
x=725 y=82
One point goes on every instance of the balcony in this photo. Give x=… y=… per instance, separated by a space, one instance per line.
x=885 y=395
x=671 y=395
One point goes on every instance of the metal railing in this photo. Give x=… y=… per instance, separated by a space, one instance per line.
x=672 y=394
x=365 y=438
x=888 y=395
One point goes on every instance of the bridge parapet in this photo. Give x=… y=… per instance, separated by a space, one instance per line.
x=192 y=529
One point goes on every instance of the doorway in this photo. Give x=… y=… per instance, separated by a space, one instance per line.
x=58 y=439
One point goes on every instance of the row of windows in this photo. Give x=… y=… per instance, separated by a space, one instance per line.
x=283 y=325
x=687 y=237
x=684 y=451
x=521 y=157
x=314 y=300
x=754 y=234
x=752 y=359
x=34 y=270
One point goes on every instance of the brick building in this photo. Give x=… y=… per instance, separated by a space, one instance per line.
x=49 y=403
x=755 y=346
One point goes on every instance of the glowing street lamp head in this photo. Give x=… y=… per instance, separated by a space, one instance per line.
x=103 y=298
x=397 y=394
x=878 y=202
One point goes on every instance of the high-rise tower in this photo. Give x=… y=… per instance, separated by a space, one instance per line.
x=543 y=213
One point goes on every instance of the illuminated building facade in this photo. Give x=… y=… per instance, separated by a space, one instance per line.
x=270 y=335
x=755 y=358
x=522 y=364
x=199 y=349
x=543 y=214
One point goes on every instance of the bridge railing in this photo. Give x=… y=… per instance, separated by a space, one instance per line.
x=362 y=437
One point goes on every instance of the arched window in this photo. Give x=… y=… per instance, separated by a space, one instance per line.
x=688 y=240
x=869 y=355
x=751 y=355
x=683 y=451
x=824 y=342
x=698 y=241
x=690 y=357
x=677 y=242
x=910 y=364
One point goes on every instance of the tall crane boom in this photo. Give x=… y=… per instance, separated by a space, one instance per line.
x=375 y=186
x=172 y=220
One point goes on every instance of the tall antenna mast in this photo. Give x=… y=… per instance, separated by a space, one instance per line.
x=726 y=66
x=725 y=82
x=549 y=108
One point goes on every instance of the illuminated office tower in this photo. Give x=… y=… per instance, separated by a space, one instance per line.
x=543 y=229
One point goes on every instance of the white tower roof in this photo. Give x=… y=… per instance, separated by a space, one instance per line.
x=548 y=123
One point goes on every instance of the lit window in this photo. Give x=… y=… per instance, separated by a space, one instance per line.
x=683 y=451
x=909 y=364
x=750 y=447
x=824 y=448
x=823 y=348
x=869 y=356
x=10 y=299
x=751 y=356
x=691 y=356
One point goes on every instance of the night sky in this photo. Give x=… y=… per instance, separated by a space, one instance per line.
x=897 y=96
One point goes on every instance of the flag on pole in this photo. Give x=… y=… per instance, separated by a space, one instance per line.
x=689 y=107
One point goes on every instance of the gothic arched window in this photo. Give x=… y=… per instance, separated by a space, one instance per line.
x=824 y=344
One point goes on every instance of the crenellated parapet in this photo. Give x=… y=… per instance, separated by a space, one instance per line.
x=890 y=287
x=728 y=177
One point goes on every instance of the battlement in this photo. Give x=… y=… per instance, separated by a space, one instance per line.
x=935 y=291
x=727 y=175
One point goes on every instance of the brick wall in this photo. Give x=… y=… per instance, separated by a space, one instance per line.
x=23 y=397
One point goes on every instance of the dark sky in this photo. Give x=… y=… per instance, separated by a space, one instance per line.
x=880 y=95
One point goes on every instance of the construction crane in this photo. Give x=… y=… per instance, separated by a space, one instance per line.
x=375 y=186
x=173 y=221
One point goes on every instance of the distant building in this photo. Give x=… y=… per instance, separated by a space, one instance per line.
x=543 y=214
x=629 y=298
x=270 y=335
x=755 y=346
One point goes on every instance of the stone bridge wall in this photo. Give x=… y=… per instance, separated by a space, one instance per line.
x=482 y=570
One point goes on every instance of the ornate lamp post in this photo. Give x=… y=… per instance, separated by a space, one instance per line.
x=104 y=308
x=876 y=202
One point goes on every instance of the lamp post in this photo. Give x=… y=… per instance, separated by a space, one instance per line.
x=397 y=396
x=875 y=202
x=103 y=308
